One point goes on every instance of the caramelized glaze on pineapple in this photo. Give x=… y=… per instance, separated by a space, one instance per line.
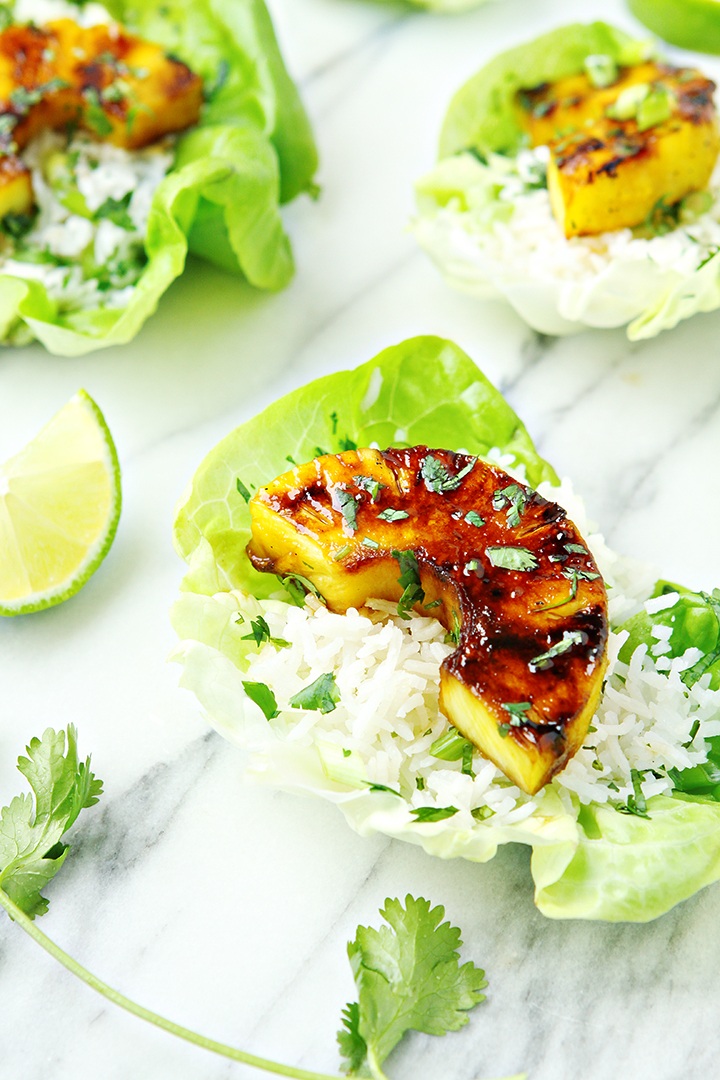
x=503 y=569
x=111 y=83
x=607 y=173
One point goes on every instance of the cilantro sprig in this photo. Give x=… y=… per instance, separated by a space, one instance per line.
x=408 y=973
x=31 y=848
x=408 y=977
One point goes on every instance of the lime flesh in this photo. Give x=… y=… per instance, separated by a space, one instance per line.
x=59 y=509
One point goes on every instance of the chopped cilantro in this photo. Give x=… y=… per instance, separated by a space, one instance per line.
x=348 y=507
x=321 y=695
x=410 y=581
x=481 y=813
x=512 y=558
x=636 y=803
x=576 y=549
x=372 y=486
x=384 y=787
x=17 y=225
x=368 y=541
x=437 y=477
x=298 y=587
x=433 y=813
x=434 y=604
x=565 y=599
x=517 y=710
x=515 y=499
x=393 y=515
x=347 y=444
x=474 y=518
x=242 y=489
x=263 y=696
x=474 y=564
x=467 y=759
x=420 y=783
x=449 y=747
x=260 y=632
x=116 y=210
x=95 y=116
x=503 y=730
x=569 y=639
x=342 y=553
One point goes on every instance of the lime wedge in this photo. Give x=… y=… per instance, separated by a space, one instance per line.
x=691 y=24
x=59 y=509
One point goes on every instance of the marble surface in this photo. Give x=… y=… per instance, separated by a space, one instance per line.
x=227 y=907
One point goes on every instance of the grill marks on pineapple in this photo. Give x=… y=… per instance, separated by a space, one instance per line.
x=591 y=151
x=507 y=617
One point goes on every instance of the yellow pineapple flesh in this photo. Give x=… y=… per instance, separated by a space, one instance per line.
x=607 y=169
x=503 y=569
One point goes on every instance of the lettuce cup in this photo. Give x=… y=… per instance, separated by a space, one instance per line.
x=335 y=684
x=130 y=135
x=577 y=178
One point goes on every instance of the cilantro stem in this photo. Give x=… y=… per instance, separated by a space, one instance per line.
x=145 y=1014
x=375 y=1069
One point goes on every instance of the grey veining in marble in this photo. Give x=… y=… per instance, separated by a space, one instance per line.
x=225 y=906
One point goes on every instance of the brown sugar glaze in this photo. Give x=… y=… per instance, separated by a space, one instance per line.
x=507 y=618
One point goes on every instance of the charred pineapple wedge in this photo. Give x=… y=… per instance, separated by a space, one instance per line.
x=503 y=570
x=113 y=84
x=618 y=151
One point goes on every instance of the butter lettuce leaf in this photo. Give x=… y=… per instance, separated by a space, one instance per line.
x=461 y=200
x=593 y=863
x=482 y=113
x=251 y=151
x=423 y=391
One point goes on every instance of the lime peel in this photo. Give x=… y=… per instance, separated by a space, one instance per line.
x=60 y=502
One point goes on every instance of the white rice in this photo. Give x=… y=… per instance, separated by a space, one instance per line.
x=524 y=236
x=387 y=672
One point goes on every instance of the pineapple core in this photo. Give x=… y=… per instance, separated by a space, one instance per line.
x=503 y=569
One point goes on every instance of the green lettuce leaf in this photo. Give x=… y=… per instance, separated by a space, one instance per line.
x=423 y=391
x=482 y=113
x=459 y=204
x=630 y=868
x=251 y=151
x=597 y=863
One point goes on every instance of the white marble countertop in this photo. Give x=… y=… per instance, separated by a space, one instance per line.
x=227 y=907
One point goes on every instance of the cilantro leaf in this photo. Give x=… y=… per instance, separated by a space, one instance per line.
x=515 y=499
x=393 y=515
x=424 y=814
x=410 y=580
x=348 y=508
x=512 y=558
x=352 y=1045
x=263 y=696
x=242 y=489
x=260 y=632
x=371 y=485
x=408 y=978
x=569 y=639
x=473 y=518
x=438 y=478
x=30 y=831
x=321 y=695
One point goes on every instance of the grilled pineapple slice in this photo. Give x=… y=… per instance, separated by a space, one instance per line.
x=503 y=570
x=113 y=84
x=618 y=152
